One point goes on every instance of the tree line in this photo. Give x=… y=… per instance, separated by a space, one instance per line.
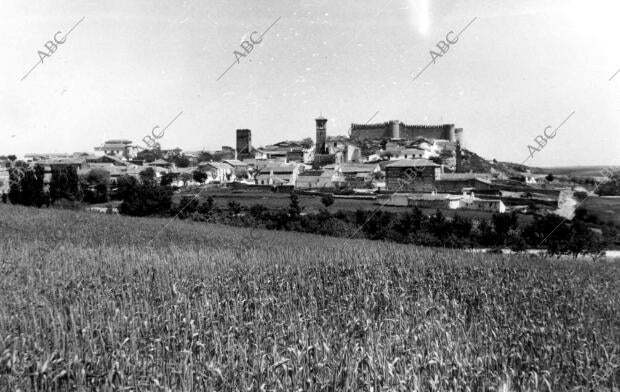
x=148 y=196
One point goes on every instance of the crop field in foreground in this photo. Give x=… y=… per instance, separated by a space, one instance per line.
x=89 y=302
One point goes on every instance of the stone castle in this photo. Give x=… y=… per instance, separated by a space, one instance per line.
x=399 y=130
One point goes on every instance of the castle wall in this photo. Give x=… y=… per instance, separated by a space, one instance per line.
x=400 y=130
x=370 y=133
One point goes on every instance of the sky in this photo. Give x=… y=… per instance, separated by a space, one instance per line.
x=128 y=66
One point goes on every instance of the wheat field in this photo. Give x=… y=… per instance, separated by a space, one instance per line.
x=101 y=302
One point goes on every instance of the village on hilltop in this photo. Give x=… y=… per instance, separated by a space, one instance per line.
x=393 y=163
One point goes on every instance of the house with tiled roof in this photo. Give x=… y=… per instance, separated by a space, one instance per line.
x=417 y=175
x=217 y=172
x=161 y=163
x=356 y=175
x=118 y=147
x=455 y=182
x=279 y=174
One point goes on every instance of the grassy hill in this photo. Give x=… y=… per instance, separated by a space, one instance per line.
x=472 y=162
x=92 y=301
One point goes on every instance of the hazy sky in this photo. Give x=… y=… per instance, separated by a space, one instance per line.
x=131 y=65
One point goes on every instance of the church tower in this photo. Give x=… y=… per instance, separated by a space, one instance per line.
x=321 y=135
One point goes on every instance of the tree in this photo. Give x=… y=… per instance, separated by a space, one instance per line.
x=146 y=198
x=26 y=186
x=327 y=200
x=307 y=143
x=503 y=223
x=168 y=178
x=438 y=225
x=126 y=186
x=180 y=161
x=549 y=177
x=234 y=207
x=185 y=177
x=551 y=231
x=205 y=157
x=205 y=208
x=294 y=209
x=610 y=188
x=65 y=183
x=150 y=155
x=199 y=176
x=257 y=210
x=147 y=175
x=98 y=182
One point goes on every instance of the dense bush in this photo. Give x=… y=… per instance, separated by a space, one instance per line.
x=65 y=184
x=145 y=197
x=26 y=186
x=551 y=232
x=609 y=188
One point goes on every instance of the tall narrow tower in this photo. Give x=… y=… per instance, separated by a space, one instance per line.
x=244 y=142
x=321 y=135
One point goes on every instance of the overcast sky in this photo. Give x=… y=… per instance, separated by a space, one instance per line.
x=131 y=65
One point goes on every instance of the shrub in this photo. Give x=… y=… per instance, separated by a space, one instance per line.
x=327 y=200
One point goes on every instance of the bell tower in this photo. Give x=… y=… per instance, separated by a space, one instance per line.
x=321 y=135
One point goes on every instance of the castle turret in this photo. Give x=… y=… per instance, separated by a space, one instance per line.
x=450 y=133
x=321 y=135
x=394 y=129
x=458 y=133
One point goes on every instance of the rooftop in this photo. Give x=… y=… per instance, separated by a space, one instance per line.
x=464 y=176
x=413 y=163
x=281 y=169
x=432 y=197
x=235 y=162
x=354 y=168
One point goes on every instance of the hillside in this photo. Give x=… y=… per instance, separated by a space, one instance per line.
x=472 y=162
x=94 y=301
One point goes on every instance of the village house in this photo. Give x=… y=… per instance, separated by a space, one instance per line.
x=78 y=163
x=417 y=175
x=161 y=163
x=490 y=205
x=115 y=171
x=104 y=161
x=426 y=200
x=218 y=172
x=46 y=156
x=239 y=168
x=356 y=175
x=276 y=155
x=320 y=179
x=117 y=147
x=442 y=201
x=183 y=176
x=437 y=200
x=455 y=182
x=279 y=174
x=412 y=153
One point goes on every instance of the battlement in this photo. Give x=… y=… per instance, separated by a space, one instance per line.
x=400 y=130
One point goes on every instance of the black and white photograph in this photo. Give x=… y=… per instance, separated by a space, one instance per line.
x=310 y=195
